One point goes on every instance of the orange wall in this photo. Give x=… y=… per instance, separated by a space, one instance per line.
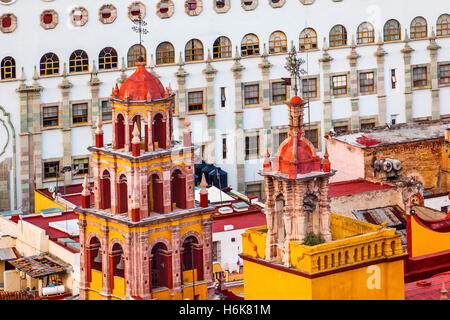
x=426 y=241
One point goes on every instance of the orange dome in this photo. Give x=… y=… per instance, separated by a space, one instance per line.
x=296 y=100
x=141 y=86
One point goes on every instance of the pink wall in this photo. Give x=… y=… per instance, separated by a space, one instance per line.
x=346 y=159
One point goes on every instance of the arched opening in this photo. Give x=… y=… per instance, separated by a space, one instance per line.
x=161 y=267
x=308 y=39
x=105 y=190
x=134 y=53
x=108 y=59
x=159 y=132
x=8 y=68
x=443 y=25
x=222 y=48
x=419 y=28
x=250 y=45
x=178 y=189
x=279 y=211
x=192 y=260
x=94 y=259
x=392 y=30
x=117 y=267
x=140 y=122
x=338 y=36
x=277 y=42
x=193 y=50
x=49 y=64
x=78 y=62
x=122 y=195
x=120 y=132
x=165 y=53
x=155 y=194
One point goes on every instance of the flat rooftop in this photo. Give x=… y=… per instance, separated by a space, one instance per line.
x=345 y=188
x=400 y=133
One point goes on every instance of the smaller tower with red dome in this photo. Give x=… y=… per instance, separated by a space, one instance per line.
x=297 y=185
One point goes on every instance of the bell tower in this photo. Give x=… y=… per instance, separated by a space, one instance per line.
x=297 y=185
x=144 y=237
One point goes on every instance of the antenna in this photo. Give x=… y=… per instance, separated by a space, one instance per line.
x=139 y=27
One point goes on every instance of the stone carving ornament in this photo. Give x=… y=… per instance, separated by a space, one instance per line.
x=107 y=14
x=79 y=16
x=277 y=3
x=136 y=10
x=221 y=6
x=8 y=22
x=193 y=7
x=165 y=9
x=49 y=19
x=249 y=4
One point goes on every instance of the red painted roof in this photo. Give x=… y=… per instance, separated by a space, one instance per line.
x=430 y=291
x=141 y=86
x=345 y=188
x=42 y=223
x=239 y=221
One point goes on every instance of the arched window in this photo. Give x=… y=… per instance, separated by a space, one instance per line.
x=419 y=29
x=161 y=269
x=105 y=190
x=307 y=39
x=192 y=259
x=94 y=256
x=155 y=194
x=49 y=64
x=159 y=132
x=222 y=48
x=107 y=59
x=193 y=50
x=250 y=45
x=165 y=53
x=78 y=62
x=122 y=194
x=8 y=68
x=365 y=33
x=338 y=36
x=117 y=264
x=134 y=53
x=392 y=30
x=443 y=26
x=178 y=189
x=277 y=42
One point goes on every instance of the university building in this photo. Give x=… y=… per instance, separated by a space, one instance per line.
x=367 y=64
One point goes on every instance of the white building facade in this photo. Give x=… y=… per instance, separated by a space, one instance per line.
x=368 y=63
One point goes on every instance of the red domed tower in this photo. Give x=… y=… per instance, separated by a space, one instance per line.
x=144 y=236
x=297 y=187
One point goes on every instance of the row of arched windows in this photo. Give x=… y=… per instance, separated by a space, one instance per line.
x=222 y=47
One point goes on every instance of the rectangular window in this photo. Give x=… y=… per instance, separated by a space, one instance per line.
x=51 y=169
x=444 y=74
x=366 y=82
x=278 y=139
x=224 y=148
x=309 y=87
x=80 y=113
x=223 y=98
x=50 y=116
x=82 y=166
x=393 y=79
x=341 y=129
x=251 y=94
x=313 y=136
x=420 y=77
x=367 y=125
x=106 y=110
x=251 y=147
x=216 y=251
x=255 y=190
x=195 y=101
x=340 y=85
x=278 y=92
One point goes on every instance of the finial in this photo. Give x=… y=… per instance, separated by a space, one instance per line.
x=152 y=62
x=406 y=36
x=353 y=41
x=187 y=124
x=123 y=68
x=325 y=44
x=94 y=68
x=237 y=55
x=208 y=59
x=99 y=130
x=136 y=135
x=86 y=187
x=203 y=184
x=64 y=74
x=180 y=60
x=22 y=75
x=35 y=74
x=264 y=50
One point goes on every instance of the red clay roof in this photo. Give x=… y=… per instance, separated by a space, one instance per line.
x=42 y=223
x=240 y=221
x=430 y=288
x=345 y=188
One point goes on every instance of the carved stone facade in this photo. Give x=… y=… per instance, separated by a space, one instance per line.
x=79 y=16
x=165 y=9
x=107 y=14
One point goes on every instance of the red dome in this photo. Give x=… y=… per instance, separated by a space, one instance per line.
x=296 y=99
x=141 y=86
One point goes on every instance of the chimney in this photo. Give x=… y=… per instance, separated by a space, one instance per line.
x=136 y=142
x=86 y=194
x=134 y=207
x=187 y=137
x=326 y=166
x=99 y=133
x=203 y=193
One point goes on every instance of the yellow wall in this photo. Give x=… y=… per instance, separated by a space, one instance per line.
x=42 y=202
x=426 y=241
x=96 y=280
x=262 y=282
x=119 y=287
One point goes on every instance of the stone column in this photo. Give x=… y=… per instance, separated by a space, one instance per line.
x=177 y=272
x=129 y=263
x=207 y=258
x=106 y=270
x=94 y=83
x=97 y=182
x=433 y=47
x=190 y=182
x=181 y=106
x=265 y=66
x=150 y=131
x=354 y=97
x=127 y=134
x=408 y=78
x=324 y=208
x=166 y=183
x=380 y=53
x=83 y=285
x=288 y=219
x=299 y=214
x=36 y=132
x=325 y=60
x=113 y=185
x=271 y=239
x=144 y=267
x=239 y=121
x=210 y=150
x=65 y=86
